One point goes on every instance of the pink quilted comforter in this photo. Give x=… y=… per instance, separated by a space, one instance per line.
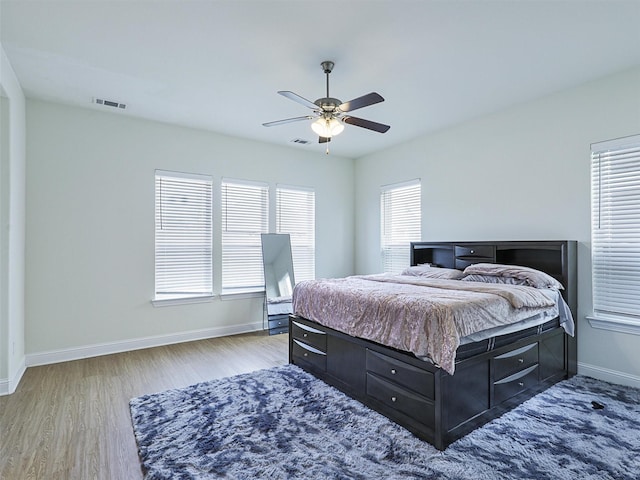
x=424 y=316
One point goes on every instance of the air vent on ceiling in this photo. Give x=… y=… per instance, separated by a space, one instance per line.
x=301 y=141
x=109 y=103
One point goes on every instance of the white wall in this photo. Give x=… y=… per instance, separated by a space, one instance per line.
x=520 y=174
x=90 y=227
x=12 y=228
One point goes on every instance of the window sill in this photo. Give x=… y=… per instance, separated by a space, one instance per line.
x=615 y=324
x=169 y=301
x=240 y=294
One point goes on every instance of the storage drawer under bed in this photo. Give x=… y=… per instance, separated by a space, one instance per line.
x=402 y=373
x=514 y=384
x=309 y=335
x=301 y=352
x=401 y=399
x=514 y=361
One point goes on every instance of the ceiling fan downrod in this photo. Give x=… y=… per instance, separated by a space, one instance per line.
x=327 y=67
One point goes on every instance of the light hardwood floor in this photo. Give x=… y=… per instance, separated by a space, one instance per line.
x=71 y=420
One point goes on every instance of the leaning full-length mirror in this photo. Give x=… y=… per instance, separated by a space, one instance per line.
x=278 y=279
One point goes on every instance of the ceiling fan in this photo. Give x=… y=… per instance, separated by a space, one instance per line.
x=330 y=114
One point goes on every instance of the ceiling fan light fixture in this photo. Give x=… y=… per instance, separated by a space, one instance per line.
x=329 y=112
x=327 y=127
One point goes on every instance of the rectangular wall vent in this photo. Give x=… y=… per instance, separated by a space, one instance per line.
x=109 y=103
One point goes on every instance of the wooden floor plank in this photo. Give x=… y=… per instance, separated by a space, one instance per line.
x=71 y=420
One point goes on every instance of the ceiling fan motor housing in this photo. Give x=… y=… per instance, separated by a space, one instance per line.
x=328 y=104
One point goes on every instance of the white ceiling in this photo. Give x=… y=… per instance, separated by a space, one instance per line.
x=217 y=65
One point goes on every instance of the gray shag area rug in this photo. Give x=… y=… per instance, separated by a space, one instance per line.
x=282 y=423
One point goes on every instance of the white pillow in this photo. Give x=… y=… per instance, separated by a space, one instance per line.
x=434 y=272
x=531 y=276
x=491 y=279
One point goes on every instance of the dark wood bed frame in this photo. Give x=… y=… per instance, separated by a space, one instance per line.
x=436 y=406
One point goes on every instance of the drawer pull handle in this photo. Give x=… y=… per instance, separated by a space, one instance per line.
x=521 y=360
x=393 y=399
x=473 y=251
x=521 y=384
x=306 y=354
x=305 y=335
x=393 y=371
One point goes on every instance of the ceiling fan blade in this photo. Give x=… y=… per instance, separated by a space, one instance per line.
x=297 y=98
x=361 y=122
x=287 y=120
x=324 y=139
x=363 y=101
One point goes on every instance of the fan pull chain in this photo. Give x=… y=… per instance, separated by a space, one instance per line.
x=327 y=119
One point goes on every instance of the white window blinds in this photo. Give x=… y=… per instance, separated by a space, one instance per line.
x=183 y=258
x=400 y=223
x=295 y=215
x=616 y=227
x=244 y=217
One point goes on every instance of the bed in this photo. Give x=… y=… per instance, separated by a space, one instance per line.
x=442 y=356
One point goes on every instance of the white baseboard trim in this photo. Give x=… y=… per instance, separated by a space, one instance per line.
x=96 y=350
x=9 y=385
x=612 y=376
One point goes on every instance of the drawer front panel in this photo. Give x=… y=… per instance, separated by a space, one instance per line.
x=516 y=383
x=309 y=335
x=278 y=321
x=279 y=330
x=302 y=352
x=413 y=378
x=512 y=362
x=401 y=399
x=475 y=251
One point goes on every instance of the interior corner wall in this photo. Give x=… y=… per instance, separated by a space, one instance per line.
x=90 y=227
x=518 y=174
x=4 y=243
x=12 y=228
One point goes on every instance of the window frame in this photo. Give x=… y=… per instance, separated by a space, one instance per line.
x=611 y=163
x=200 y=188
x=390 y=251
x=301 y=230
x=253 y=255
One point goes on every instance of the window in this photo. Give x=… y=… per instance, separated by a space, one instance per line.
x=183 y=259
x=244 y=217
x=400 y=223
x=295 y=215
x=615 y=232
